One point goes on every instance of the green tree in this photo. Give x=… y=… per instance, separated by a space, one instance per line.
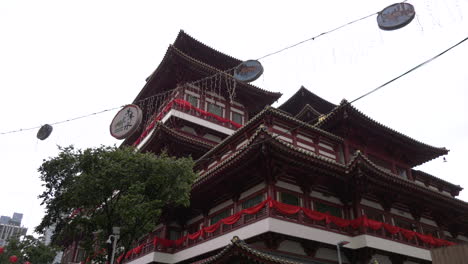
x=29 y=249
x=87 y=192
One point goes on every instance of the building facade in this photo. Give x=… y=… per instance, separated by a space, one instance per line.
x=11 y=227
x=285 y=184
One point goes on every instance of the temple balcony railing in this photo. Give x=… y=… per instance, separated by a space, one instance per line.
x=305 y=224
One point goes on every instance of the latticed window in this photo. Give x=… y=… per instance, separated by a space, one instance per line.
x=220 y=216
x=193 y=100
x=327 y=208
x=374 y=215
x=215 y=109
x=236 y=117
x=289 y=198
x=174 y=234
x=252 y=201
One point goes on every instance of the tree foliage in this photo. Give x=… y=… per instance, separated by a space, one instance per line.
x=28 y=249
x=87 y=192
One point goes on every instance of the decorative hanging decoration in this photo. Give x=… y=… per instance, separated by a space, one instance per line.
x=13 y=259
x=27 y=262
x=2 y=250
x=126 y=121
x=396 y=16
x=44 y=132
x=248 y=71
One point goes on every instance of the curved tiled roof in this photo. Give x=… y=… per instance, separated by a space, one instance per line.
x=259 y=116
x=302 y=97
x=239 y=246
x=160 y=128
x=433 y=178
x=202 y=52
x=337 y=113
x=359 y=159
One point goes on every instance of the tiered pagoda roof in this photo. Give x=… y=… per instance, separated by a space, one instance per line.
x=163 y=137
x=415 y=152
x=303 y=97
x=200 y=61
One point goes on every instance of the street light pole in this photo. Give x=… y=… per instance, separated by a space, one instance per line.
x=115 y=235
x=338 y=247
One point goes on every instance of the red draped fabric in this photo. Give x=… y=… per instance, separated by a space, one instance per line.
x=285 y=208
x=186 y=106
x=119 y=259
x=339 y=221
x=290 y=210
x=138 y=249
x=426 y=238
x=391 y=229
x=129 y=253
x=155 y=241
x=408 y=234
x=180 y=241
x=255 y=209
x=212 y=228
x=165 y=242
x=314 y=215
x=231 y=219
x=195 y=235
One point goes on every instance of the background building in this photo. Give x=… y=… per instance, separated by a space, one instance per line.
x=11 y=227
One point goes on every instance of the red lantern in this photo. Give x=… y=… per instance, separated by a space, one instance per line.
x=2 y=250
x=27 y=262
x=13 y=259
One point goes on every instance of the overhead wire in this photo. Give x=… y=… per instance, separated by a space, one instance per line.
x=215 y=157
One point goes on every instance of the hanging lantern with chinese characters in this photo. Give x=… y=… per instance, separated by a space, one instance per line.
x=126 y=121
x=396 y=16
x=248 y=71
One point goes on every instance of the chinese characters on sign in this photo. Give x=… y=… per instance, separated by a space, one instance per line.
x=396 y=16
x=248 y=71
x=126 y=121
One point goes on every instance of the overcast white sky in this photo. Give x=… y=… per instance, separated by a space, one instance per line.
x=62 y=59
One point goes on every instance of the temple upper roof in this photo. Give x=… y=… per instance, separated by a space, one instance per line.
x=301 y=98
x=413 y=151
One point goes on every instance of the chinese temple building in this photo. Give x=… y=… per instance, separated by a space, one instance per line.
x=309 y=181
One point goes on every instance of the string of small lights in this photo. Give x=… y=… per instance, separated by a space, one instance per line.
x=230 y=70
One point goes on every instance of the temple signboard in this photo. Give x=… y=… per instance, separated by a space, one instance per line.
x=126 y=121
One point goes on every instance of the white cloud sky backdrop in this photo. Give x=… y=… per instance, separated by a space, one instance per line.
x=62 y=59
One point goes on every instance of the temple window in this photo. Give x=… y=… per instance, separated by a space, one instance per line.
x=289 y=198
x=252 y=201
x=383 y=164
x=215 y=109
x=174 y=234
x=193 y=100
x=404 y=224
x=237 y=117
x=220 y=216
x=374 y=215
x=431 y=231
x=328 y=208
